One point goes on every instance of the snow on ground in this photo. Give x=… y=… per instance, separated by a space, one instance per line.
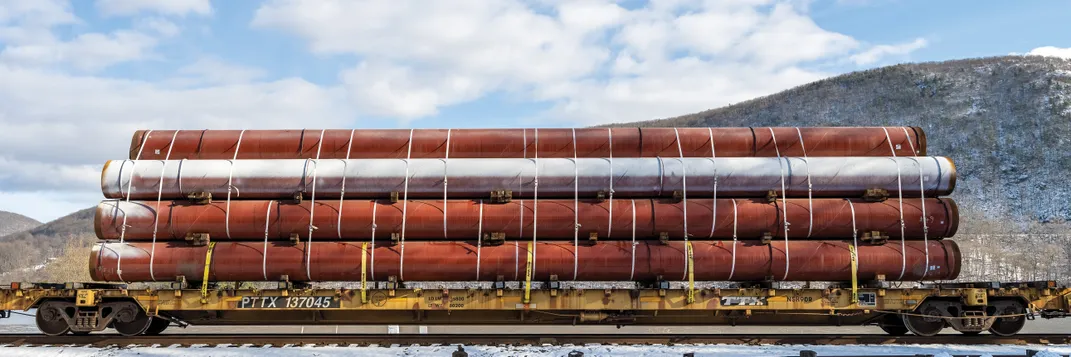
x=587 y=350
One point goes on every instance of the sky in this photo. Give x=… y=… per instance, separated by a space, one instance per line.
x=77 y=78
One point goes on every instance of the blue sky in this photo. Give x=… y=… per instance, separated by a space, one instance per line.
x=78 y=77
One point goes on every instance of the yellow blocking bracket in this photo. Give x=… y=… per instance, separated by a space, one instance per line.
x=691 y=273
x=855 y=274
x=528 y=275
x=208 y=266
x=364 y=265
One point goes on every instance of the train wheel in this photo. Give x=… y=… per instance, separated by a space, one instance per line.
x=893 y=325
x=131 y=320
x=50 y=319
x=1007 y=326
x=926 y=320
x=157 y=326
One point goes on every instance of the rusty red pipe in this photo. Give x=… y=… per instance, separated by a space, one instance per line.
x=526 y=143
x=519 y=219
x=459 y=261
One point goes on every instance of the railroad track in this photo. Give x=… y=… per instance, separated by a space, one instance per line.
x=278 y=340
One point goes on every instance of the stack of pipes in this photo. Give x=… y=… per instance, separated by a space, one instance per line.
x=592 y=204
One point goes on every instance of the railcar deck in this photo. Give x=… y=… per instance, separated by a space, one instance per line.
x=1000 y=308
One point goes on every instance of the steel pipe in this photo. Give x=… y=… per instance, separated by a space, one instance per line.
x=557 y=178
x=526 y=143
x=458 y=261
x=468 y=220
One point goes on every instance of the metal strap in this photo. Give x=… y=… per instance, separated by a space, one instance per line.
x=405 y=207
x=156 y=213
x=342 y=190
x=900 y=193
x=529 y=267
x=178 y=175
x=922 y=200
x=208 y=266
x=810 y=189
x=732 y=270
x=517 y=245
x=610 y=215
x=520 y=234
x=784 y=206
x=854 y=250
x=479 y=240
x=267 y=224
x=684 y=201
x=129 y=190
x=312 y=208
x=230 y=184
x=714 y=206
x=632 y=271
x=576 y=210
x=364 y=271
x=535 y=202
x=373 y=268
x=516 y=259
x=855 y=273
x=446 y=160
x=691 y=272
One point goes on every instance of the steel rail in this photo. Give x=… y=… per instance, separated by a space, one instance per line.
x=278 y=340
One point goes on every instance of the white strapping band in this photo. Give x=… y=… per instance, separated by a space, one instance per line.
x=129 y=188
x=230 y=184
x=855 y=235
x=267 y=224
x=405 y=207
x=372 y=269
x=810 y=189
x=446 y=160
x=342 y=190
x=922 y=201
x=610 y=215
x=784 y=205
x=632 y=271
x=733 y=268
x=312 y=207
x=479 y=241
x=714 y=206
x=535 y=204
x=900 y=193
x=576 y=211
x=684 y=200
x=159 y=197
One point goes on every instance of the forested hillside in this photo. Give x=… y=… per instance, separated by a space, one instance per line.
x=1005 y=121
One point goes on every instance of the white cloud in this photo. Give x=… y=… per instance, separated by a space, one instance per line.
x=1051 y=51
x=876 y=53
x=211 y=70
x=158 y=25
x=166 y=7
x=595 y=60
x=59 y=129
x=383 y=89
x=450 y=48
x=31 y=21
x=90 y=51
